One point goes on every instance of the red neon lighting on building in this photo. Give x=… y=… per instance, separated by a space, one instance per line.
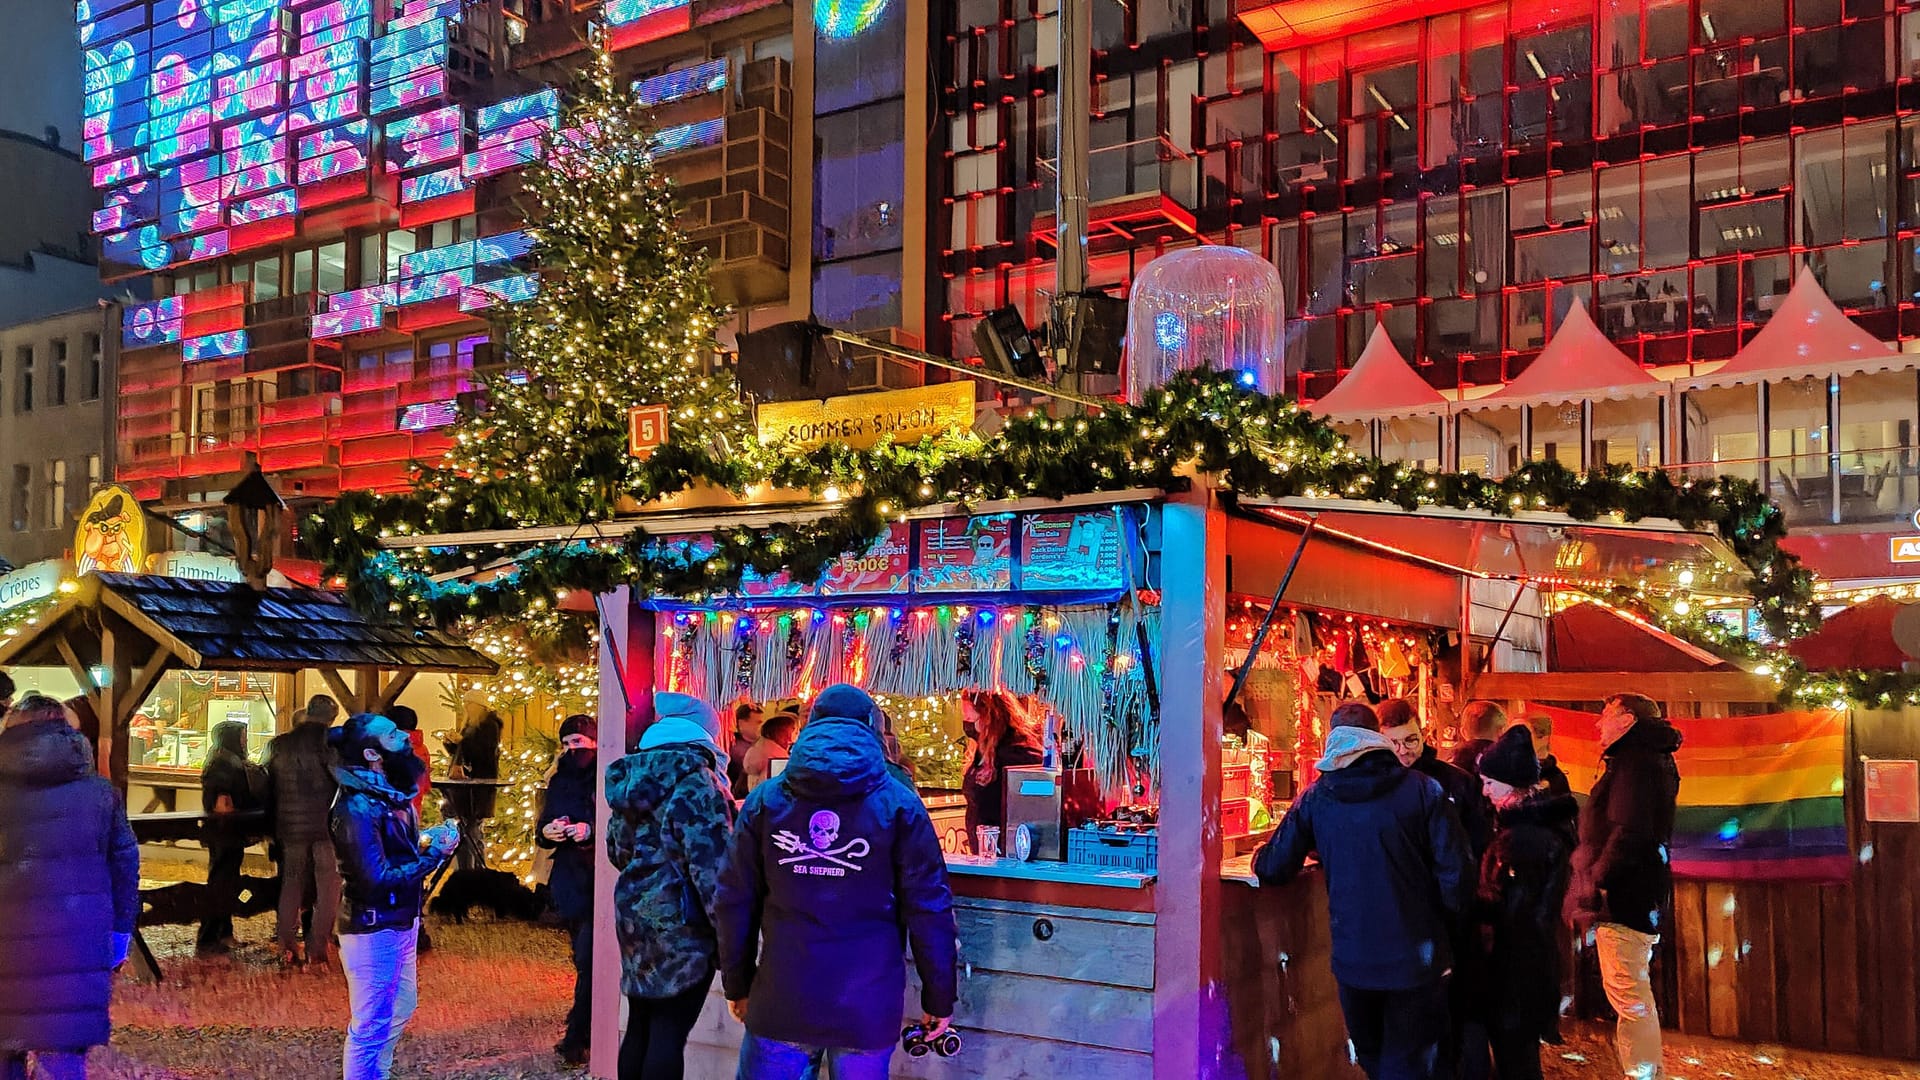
x=660 y=24
x=1293 y=23
x=458 y=204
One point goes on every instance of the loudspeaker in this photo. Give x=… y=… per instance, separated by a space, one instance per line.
x=1096 y=328
x=785 y=362
x=1007 y=345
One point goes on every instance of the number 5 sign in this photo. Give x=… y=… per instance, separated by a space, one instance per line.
x=646 y=430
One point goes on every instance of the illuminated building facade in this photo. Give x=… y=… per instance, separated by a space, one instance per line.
x=322 y=193
x=1465 y=172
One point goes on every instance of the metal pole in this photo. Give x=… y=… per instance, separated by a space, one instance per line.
x=1073 y=125
x=1273 y=607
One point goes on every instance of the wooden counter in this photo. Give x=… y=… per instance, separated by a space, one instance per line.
x=1283 y=1008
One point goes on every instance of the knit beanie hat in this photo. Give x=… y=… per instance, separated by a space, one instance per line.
x=845 y=699
x=580 y=724
x=1510 y=759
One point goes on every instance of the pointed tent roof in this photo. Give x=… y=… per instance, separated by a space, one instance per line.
x=1381 y=383
x=1808 y=335
x=1579 y=363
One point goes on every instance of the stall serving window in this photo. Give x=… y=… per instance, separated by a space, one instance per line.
x=172 y=729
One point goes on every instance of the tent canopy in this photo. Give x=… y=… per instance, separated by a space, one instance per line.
x=1594 y=637
x=1808 y=335
x=1579 y=363
x=1859 y=637
x=1380 y=384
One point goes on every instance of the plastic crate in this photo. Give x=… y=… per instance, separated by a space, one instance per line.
x=1236 y=781
x=1134 y=851
x=1236 y=817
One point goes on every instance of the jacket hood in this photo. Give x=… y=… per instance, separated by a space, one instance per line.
x=1368 y=776
x=1542 y=808
x=45 y=753
x=1345 y=745
x=641 y=781
x=231 y=736
x=847 y=701
x=836 y=758
x=370 y=782
x=681 y=718
x=1646 y=737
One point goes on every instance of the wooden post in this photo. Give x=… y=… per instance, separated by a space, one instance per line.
x=626 y=674
x=1190 y=1029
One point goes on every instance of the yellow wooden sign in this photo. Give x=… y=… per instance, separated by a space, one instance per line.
x=862 y=420
x=112 y=534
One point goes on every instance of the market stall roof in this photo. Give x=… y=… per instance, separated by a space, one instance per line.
x=1862 y=636
x=1380 y=384
x=1532 y=546
x=222 y=626
x=1807 y=335
x=1577 y=364
x=1595 y=637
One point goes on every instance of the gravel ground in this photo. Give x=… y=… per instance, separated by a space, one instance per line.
x=492 y=995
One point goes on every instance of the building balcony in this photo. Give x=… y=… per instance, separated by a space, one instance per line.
x=1138 y=192
x=565 y=34
x=736 y=190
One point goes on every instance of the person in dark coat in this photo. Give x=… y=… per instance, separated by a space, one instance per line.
x=1397 y=872
x=1621 y=874
x=475 y=754
x=748 y=719
x=1523 y=883
x=229 y=785
x=70 y=891
x=667 y=837
x=566 y=828
x=834 y=870
x=1467 y=1053
x=384 y=865
x=1551 y=773
x=300 y=787
x=1003 y=736
x=420 y=769
x=1481 y=722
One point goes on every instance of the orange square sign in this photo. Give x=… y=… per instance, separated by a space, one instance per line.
x=1904 y=549
x=646 y=430
x=1893 y=790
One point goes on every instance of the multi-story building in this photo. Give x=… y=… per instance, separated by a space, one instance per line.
x=56 y=444
x=322 y=193
x=1464 y=172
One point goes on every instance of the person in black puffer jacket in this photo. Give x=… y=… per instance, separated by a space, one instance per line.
x=1523 y=882
x=832 y=872
x=384 y=865
x=1398 y=875
x=566 y=828
x=1621 y=874
x=474 y=755
x=300 y=790
x=70 y=890
x=229 y=785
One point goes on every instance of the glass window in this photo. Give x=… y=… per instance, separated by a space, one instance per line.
x=857 y=64
x=57 y=392
x=1879 y=472
x=371 y=264
x=1556 y=433
x=265 y=274
x=1844 y=187
x=302 y=276
x=860 y=181
x=331 y=273
x=1443 y=246
x=1720 y=429
x=95 y=477
x=55 y=490
x=1414 y=440
x=1489 y=441
x=93 y=373
x=172 y=727
x=23 y=379
x=859 y=294
x=1626 y=432
x=1798 y=444
x=1468 y=325
x=21 y=504
x=1668 y=29
x=400 y=242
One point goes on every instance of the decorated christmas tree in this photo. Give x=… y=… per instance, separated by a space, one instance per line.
x=624 y=316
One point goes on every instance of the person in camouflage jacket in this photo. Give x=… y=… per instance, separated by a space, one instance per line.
x=671 y=813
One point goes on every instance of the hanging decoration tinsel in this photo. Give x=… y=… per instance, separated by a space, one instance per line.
x=797 y=631
x=744 y=657
x=963 y=649
x=1036 y=654
x=897 y=649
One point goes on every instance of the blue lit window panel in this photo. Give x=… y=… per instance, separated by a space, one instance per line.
x=622 y=12
x=326 y=84
x=431 y=185
x=265 y=207
x=679 y=85
x=259 y=178
x=437 y=260
x=859 y=52
x=428 y=415
x=167 y=127
x=180 y=147
x=204 y=246
x=414 y=39
x=342 y=106
x=859 y=294
x=352 y=135
x=686 y=136
x=370 y=296
x=860 y=179
x=215 y=346
x=353 y=320
x=329 y=166
x=416 y=154
x=435 y=286
x=130 y=24
x=502 y=248
x=157 y=323
x=496 y=159
x=344 y=54
x=510 y=290
x=399 y=96
x=539 y=109
x=114 y=172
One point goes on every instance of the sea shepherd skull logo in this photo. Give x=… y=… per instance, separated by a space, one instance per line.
x=822 y=854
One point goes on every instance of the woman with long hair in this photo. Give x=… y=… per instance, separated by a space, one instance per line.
x=1004 y=735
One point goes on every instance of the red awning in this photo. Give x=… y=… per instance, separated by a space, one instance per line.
x=1381 y=383
x=1593 y=637
x=1859 y=637
x=1807 y=335
x=1577 y=364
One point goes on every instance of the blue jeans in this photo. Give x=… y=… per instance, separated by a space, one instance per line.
x=382 y=988
x=48 y=1065
x=765 y=1059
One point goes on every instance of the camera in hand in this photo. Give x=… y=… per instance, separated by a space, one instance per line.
x=915 y=1042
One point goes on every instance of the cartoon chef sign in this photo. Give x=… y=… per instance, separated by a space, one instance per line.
x=112 y=535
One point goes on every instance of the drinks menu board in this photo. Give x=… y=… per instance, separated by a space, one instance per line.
x=966 y=554
x=1070 y=551
x=882 y=569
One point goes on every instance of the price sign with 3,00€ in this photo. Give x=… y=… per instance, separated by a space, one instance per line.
x=646 y=430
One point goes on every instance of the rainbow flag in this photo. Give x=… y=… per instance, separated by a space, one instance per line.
x=1762 y=798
